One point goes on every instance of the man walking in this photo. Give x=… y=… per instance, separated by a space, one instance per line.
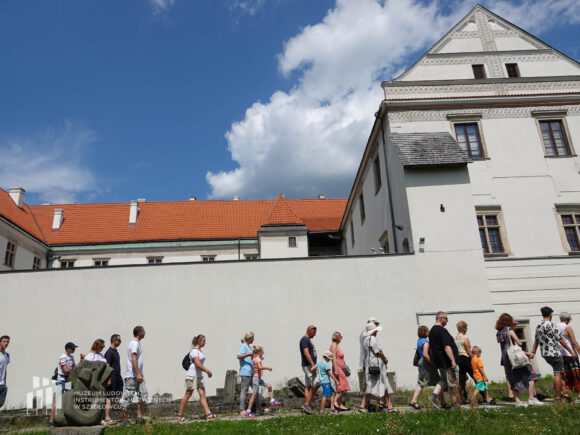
x=308 y=357
x=66 y=364
x=4 y=361
x=134 y=382
x=549 y=338
x=445 y=356
x=115 y=388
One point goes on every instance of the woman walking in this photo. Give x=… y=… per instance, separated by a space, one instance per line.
x=338 y=368
x=194 y=378
x=464 y=362
x=523 y=377
x=571 y=366
x=95 y=353
x=246 y=369
x=428 y=375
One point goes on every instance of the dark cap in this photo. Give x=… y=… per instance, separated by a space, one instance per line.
x=546 y=311
x=70 y=345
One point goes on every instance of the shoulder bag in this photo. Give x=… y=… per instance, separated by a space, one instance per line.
x=516 y=355
x=372 y=370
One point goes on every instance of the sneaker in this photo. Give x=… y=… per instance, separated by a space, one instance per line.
x=334 y=411
x=434 y=402
x=307 y=409
x=249 y=414
x=534 y=402
x=140 y=420
x=125 y=423
x=491 y=402
x=521 y=404
x=275 y=403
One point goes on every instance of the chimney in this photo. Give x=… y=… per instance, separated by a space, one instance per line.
x=133 y=212
x=57 y=220
x=192 y=198
x=141 y=200
x=322 y=196
x=17 y=193
x=236 y=197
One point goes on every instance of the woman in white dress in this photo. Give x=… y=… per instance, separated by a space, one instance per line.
x=96 y=352
x=377 y=383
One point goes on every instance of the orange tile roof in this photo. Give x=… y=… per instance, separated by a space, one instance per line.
x=282 y=214
x=21 y=217
x=179 y=220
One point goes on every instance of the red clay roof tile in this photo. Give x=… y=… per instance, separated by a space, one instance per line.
x=282 y=214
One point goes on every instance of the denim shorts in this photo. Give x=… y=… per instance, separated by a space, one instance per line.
x=3 y=392
x=256 y=384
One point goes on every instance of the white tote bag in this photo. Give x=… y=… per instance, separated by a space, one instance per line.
x=516 y=355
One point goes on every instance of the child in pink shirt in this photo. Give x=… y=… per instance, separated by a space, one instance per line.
x=257 y=381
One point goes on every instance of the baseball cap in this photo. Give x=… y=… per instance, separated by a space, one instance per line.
x=70 y=345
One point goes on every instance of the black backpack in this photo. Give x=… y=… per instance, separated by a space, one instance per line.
x=55 y=374
x=186 y=362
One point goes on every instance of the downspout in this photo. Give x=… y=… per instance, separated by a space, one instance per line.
x=239 y=258
x=391 y=209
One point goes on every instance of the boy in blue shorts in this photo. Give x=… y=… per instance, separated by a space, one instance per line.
x=324 y=375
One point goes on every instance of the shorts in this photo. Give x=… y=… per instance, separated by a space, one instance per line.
x=256 y=384
x=131 y=388
x=327 y=390
x=449 y=375
x=192 y=383
x=310 y=379
x=481 y=386
x=3 y=392
x=557 y=363
x=116 y=387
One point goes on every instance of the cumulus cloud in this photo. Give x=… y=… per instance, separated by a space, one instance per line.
x=160 y=7
x=309 y=140
x=50 y=163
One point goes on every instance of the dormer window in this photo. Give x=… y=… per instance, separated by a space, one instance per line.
x=512 y=70
x=478 y=71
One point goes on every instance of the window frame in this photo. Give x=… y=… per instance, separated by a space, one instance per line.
x=553 y=146
x=290 y=245
x=377 y=174
x=36 y=262
x=554 y=115
x=208 y=258
x=479 y=69
x=10 y=254
x=155 y=260
x=68 y=263
x=516 y=70
x=574 y=211
x=488 y=211
x=250 y=257
x=101 y=261
x=465 y=121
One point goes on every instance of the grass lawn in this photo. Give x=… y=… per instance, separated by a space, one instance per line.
x=560 y=419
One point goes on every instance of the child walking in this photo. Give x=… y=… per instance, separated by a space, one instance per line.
x=257 y=381
x=324 y=375
x=480 y=377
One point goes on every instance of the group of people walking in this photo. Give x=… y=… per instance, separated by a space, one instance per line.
x=443 y=361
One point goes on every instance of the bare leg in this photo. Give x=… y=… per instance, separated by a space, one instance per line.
x=417 y=393
x=531 y=390
x=270 y=392
x=140 y=409
x=308 y=395
x=322 y=404
x=558 y=384
x=203 y=401
x=332 y=402
x=251 y=402
x=186 y=397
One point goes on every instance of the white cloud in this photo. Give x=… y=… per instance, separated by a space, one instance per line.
x=310 y=139
x=161 y=7
x=247 y=7
x=49 y=164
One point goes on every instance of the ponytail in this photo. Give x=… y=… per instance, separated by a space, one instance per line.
x=197 y=339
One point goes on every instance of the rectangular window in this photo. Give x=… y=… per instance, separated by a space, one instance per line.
x=36 y=262
x=10 y=254
x=377 y=172
x=154 y=260
x=351 y=233
x=67 y=264
x=554 y=137
x=101 y=262
x=469 y=139
x=478 y=71
x=251 y=256
x=292 y=242
x=489 y=233
x=207 y=258
x=571 y=224
x=361 y=202
x=512 y=70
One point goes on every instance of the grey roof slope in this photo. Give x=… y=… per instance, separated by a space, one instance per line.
x=428 y=149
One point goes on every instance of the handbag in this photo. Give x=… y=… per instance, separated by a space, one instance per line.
x=372 y=370
x=416 y=358
x=516 y=355
x=346 y=370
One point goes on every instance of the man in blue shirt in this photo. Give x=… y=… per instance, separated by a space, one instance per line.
x=308 y=358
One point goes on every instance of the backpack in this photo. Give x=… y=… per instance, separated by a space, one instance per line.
x=55 y=374
x=186 y=362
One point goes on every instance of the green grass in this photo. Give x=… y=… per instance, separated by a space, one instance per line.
x=560 y=419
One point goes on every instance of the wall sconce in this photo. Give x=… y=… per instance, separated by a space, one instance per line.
x=422 y=244
x=442 y=208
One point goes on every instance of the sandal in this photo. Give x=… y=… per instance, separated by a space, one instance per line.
x=210 y=416
x=181 y=418
x=393 y=411
x=415 y=405
x=363 y=410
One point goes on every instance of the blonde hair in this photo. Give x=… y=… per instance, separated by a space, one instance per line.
x=97 y=344
x=247 y=337
x=197 y=339
x=257 y=350
x=476 y=349
x=335 y=336
x=461 y=326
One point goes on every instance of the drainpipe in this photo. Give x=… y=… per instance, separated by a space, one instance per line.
x=391 y=209
x=239 y=258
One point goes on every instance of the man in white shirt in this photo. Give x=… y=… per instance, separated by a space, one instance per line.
x=134 y=382
x=66 y=364
x=4 y=361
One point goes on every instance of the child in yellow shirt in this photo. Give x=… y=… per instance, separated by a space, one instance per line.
x=479 y=377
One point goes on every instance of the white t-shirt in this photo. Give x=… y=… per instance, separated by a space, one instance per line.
x=134 y=347
x=67 y=361
x=193 y=370
x=4 y=361
x=93 y=356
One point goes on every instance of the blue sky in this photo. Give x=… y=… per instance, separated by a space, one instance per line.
x=113 y=100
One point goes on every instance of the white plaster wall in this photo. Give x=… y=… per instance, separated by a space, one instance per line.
x=462 y=45
x=276 y=299
x=440 y=72
x=512 y=43
x=545 y=69
x=275 y=245
x=26 y=248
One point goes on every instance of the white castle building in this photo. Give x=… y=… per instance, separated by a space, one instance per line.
x=467 y=199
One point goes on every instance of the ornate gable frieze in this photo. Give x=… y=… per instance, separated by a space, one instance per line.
x=491 y=113
x=453 y=59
